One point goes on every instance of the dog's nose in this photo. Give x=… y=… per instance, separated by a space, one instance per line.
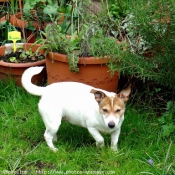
x=111 y=124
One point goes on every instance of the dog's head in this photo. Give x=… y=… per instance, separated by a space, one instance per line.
x=112 y=107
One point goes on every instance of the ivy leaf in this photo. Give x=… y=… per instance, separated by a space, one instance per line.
x=27 y=7
x=168 y=129
x=169 y=105
x=49 y=9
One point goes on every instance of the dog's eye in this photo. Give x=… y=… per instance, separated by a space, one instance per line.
x=118 y=110
x=105 y=110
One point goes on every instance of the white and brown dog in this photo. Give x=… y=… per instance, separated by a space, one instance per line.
x=75 y=103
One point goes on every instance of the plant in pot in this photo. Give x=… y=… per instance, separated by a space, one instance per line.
x=89 y=57
x=13 y=64
x=35 y=15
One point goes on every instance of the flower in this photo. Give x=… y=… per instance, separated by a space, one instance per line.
x=150 y=161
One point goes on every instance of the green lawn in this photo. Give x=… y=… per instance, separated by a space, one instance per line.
x=23 y=149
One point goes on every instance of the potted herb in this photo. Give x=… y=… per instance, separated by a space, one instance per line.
x=89 y=57
x=89 y=52
x=13 y=64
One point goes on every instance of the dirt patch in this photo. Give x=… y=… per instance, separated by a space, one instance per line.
x=22 y=57
x=24 y=53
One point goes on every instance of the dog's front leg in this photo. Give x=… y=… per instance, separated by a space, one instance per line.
x=114 y=139
x=97 y=136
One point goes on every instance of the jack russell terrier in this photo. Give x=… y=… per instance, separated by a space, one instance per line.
x=80 y=104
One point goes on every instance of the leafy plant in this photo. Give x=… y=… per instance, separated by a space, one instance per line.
x=106 y=47
x=56 y=41
x=117 y=8
x=150 y=33
x=48 y=7
x=90 y=36
x=45 y=11
x=167 y=120
x=90 y=41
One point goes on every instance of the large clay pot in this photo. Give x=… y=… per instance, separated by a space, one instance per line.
x=15 y=70
x=93 y=71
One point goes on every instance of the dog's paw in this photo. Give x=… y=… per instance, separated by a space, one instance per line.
x=100 y=144
x=54 y=149
x=114 y=148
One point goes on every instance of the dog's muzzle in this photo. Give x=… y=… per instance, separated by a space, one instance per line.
x=111 y=124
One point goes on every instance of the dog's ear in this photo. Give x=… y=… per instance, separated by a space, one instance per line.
x=98 y=95
x=124 y=94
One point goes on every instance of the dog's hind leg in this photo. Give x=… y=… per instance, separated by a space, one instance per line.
x=50 y=135
x=52 y=120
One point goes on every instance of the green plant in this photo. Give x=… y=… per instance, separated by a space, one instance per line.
x=57 y=41
x=167 y=120
x=99 y=45
x=89 y=37
x=10 y=6
x=41 y=12
x=47 y=7
x=90 y=41
x=150 y=32
x=5 y=25
x=117 y=8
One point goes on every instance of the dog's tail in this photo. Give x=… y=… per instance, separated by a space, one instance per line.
x=27 y=83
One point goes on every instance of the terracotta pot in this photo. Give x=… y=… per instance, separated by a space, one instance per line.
x=18 y=22
x=92 y=71
x=15 y=70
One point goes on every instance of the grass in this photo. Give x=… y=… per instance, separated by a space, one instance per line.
x=23 y=150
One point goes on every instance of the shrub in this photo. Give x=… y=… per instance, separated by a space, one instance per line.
x=151 y=29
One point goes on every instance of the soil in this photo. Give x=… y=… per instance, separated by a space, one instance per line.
x=16 y=57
